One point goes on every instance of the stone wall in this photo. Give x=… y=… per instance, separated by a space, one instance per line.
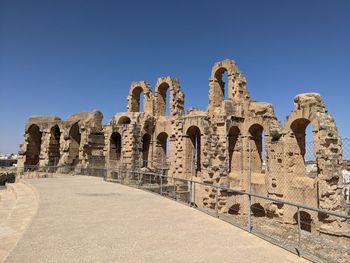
x=50 y=141
x=236 y=143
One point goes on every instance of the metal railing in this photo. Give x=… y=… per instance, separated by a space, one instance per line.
x=299 y=236
x=184 y=191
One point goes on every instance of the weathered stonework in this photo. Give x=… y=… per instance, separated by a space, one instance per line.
x=236 y=143
x=50 y=141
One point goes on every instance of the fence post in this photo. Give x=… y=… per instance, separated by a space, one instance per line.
x=217 y=203
x=299 y=233
x=161 y=185
x=190 y=199
x=249 y=213
x=249 y=188
x=175 y=189
x=250 y=166
x=194 y=194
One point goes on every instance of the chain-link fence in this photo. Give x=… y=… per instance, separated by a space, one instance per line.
x=346 y=170
x=300 y=171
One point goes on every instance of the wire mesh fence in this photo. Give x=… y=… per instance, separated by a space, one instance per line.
x=295 y=171
x=346 y=170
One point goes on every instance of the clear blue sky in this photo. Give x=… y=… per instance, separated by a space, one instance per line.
x=61 y=57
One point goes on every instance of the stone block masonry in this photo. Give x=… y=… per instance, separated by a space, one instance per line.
x=236 y=143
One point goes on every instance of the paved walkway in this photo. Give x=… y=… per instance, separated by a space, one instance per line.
x=18 y=205
x=83 y=219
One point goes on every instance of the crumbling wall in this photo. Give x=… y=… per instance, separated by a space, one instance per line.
x=236 y=86
x=83 y=131
x=176 y=151
x=37 y=135
x=55 y=143
x=324 y=191
x=236 y=143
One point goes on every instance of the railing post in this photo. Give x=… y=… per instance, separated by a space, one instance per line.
x=161 y=185
x=249 y=166
x=299 y=233
x=190 y=199
x=249 y=213
x=249 y=189
x=217 y=202
x=194 y=194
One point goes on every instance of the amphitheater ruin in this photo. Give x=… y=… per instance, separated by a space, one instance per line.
x=237 y=143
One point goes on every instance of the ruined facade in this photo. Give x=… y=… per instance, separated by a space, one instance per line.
x=236 y=143
x=50 y=141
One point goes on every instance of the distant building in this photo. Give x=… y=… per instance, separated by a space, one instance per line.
x=8 y=160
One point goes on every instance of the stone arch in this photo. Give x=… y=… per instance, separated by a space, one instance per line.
x=162 y=149
x=309 y=108
x=235 y=150
x=123 y=120
x=176 y=94
x=256 y=140
x=34 y=145
x=54 y=146
x=146 y=146
x=134 y=97
x=219 y=79
x=193 y=151
x=74 y=144
x=115 y=148
x=161 y=91
x=236 y=86
x=297 y=147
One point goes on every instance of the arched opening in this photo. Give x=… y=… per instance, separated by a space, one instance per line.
x=258 y=210
x=115 y=149
x=257 y=149
x=124 y=120
x=193 y=146
x=305 y=220
x=146 y=143
x=235 y=150
x=163 y=99
x=303 y=152
x=74 y=145
x=137 y=99
x=54 y=146
x=34 y=145
x=221 y=77
x=162 y=150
